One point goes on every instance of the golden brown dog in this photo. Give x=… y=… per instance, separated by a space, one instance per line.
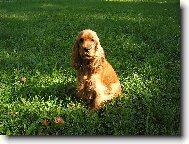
x=97 y=80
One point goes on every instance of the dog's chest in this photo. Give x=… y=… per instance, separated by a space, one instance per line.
x=93 y=82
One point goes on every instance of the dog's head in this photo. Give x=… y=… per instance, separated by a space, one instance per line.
x=86 y=48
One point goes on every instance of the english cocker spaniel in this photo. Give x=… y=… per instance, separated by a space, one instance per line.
x=97 y=80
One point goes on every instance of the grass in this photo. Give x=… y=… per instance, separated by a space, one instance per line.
x=141 y=39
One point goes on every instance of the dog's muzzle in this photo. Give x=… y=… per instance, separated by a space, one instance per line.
x=87 y=49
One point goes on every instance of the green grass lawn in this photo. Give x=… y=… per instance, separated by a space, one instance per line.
x=141 y=39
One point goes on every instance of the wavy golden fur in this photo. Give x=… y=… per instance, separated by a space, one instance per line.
x=97 y=80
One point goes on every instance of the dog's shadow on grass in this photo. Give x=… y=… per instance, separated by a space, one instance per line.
x=59 y=92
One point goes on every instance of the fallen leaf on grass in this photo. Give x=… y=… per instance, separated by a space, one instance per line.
x=23 y=79
x=59 y=120
x=45 y=122
x=12 y=113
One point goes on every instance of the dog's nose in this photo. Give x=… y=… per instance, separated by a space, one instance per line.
x=87 y=49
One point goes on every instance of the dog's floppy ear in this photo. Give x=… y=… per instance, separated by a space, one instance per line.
x=76 y=59
x=100 y=57
x=99 y=50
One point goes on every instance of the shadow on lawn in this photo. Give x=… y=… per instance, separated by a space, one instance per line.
x=61 y=92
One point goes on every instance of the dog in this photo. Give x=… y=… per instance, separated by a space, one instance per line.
x=97 y=82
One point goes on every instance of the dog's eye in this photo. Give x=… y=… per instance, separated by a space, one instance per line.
x=81 y=40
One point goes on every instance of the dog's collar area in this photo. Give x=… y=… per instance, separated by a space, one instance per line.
x=88 y=64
